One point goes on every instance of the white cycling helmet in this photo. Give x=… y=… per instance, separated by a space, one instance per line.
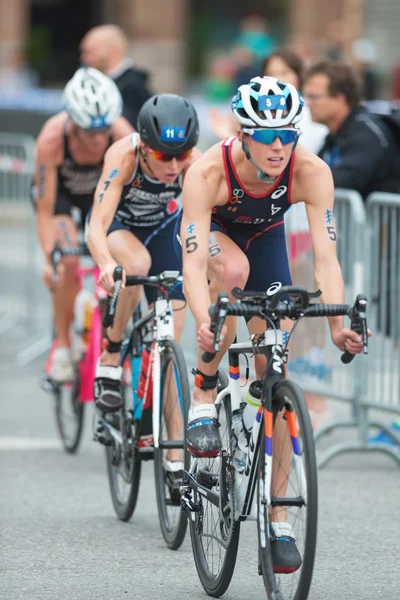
x=267 y=102
x=92 y=99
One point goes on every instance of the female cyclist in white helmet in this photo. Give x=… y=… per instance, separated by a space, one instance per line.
x=70 y=152
x=232 y=234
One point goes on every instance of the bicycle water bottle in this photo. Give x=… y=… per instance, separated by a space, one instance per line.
x=145 y=380
x=239 y=449
x=253 y=399
x=81 y=309
x=137 y=402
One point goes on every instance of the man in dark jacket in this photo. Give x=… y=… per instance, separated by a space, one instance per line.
x=105 y=48
x=360 y=147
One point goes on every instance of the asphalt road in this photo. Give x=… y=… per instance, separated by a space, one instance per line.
x=60 y=538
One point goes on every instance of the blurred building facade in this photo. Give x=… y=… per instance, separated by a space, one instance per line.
x=161 y=31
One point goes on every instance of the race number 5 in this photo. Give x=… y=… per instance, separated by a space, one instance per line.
x=191 y=244
x=331 y=232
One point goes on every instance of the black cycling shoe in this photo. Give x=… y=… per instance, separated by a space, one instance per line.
x=202 y=435
x=285 y=555
x=108 y=388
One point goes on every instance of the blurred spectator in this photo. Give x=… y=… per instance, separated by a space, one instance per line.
x=105 y=48
x=360 y=148
x=251 y=46
x=287 y=66
x=220 y=84
x=364 y=55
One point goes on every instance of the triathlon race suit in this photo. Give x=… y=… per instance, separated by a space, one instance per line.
x=254 y=223
x=149 y=208
x=76 y=183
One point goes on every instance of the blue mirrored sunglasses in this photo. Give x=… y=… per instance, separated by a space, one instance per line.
x=268 y=136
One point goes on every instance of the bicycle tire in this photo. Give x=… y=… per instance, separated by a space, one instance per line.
x=173 y=530
x=278 y=588
x=132 y=464
x=70 y=442
x=215 y=585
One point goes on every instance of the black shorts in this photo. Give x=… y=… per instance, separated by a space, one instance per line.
x=65 y=203
x=265 y=250
x=159 y=242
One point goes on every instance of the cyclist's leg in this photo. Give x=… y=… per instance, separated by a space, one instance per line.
x=227 y=267
x=64 y=294
x=269 y=265
x=128 y=251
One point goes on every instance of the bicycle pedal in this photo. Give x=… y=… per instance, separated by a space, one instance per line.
x=102 y=439
x=47 y=384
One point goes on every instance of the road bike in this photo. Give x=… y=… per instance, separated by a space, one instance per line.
x=71 y=397
x=152 y=421
x=278 y=484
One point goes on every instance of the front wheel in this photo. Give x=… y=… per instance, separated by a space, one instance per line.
x=288 y=472
x=170 y=462
x=214 y=530
x=123 y=460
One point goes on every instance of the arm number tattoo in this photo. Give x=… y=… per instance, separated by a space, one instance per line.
x=329 y=227
x=191 y=244
x=111 y=176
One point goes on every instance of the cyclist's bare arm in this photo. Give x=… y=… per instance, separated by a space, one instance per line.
x=121 y=128
x=200 y=190
x=196 y=154
x=119 y=164
x=49 y=155
x=318 y=191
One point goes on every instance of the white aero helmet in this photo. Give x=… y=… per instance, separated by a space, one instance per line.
x=92 y=99
x=267 y=102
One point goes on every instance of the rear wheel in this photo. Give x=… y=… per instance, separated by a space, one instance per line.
x=214 y=530
x=174 y=401
x=69 y=412
x=294 y=495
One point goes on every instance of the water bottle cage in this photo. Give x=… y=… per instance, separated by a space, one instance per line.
x=110 y=346
x=203 y=381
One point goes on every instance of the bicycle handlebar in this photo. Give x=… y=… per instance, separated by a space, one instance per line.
x=164 y=282
x=272 y=308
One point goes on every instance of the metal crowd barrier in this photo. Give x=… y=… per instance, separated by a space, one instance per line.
x=369 y=254
x=24 y=303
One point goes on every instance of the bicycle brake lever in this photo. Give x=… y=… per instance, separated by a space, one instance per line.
x=218 y=316
x=358 y=318
x=112 y=301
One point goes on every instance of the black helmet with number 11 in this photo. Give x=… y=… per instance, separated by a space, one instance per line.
x=168 y=123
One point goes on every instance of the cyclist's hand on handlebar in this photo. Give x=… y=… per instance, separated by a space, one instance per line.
x=347 y=339
x=205 y=337
x=51 y=279
x=106 y=278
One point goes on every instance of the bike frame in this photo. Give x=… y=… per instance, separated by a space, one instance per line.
x=87 y=364
x=162 y=330
x=271 y=346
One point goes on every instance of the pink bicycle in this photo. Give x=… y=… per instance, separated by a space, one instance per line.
x=70 y=397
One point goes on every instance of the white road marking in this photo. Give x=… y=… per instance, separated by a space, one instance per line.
x=26 y=443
